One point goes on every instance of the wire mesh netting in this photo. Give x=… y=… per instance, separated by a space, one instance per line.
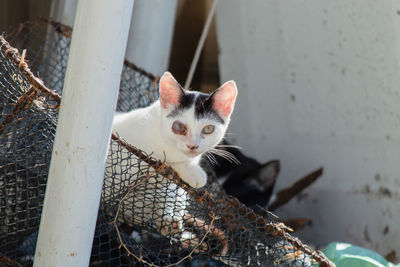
x=147 y=215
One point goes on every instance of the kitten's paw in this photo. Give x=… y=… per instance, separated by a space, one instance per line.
x=195 y=177
x=201 y=178
x=192 y=175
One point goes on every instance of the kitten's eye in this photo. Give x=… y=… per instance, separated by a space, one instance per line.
x=179 y=128
x=209 y=129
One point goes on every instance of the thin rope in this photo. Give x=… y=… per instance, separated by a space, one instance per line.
x=200 y=45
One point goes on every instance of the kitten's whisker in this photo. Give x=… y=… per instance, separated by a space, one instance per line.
x=220 y=152
x=212 y=159
x=232 y=146
x=230 y=155
x=209 y=159
x=226 y=155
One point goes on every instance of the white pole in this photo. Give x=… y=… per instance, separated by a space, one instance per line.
x=150 y=34
x=83 y=133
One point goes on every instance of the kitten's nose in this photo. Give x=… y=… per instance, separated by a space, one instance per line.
x=192 y=147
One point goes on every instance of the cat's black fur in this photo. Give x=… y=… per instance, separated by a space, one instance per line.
x=202 y=105
x=251 y=182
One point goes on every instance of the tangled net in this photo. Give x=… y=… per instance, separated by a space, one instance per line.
x=148 y=216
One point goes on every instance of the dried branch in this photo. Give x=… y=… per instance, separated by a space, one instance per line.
x=287 y=194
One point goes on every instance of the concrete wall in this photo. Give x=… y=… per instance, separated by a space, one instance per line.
x=319 y=86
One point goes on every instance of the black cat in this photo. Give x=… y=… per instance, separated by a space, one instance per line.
x=250 y=181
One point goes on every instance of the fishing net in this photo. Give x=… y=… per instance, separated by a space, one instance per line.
x=147 y=215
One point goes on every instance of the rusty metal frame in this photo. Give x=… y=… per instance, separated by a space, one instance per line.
x=201 y=195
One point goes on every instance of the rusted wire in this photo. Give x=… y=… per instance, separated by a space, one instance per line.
x=22 y=103
x=66 y=31
x=13 y=54
x=201 y=195
x=139 y=70
x=140 y=258
x=36 y=84
x=61 y=28
x=205 y=197
x=5 y=261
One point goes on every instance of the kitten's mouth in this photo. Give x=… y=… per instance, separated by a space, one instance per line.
x=192 y=153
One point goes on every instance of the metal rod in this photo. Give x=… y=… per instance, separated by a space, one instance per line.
x=200 y=45
x=83 y=133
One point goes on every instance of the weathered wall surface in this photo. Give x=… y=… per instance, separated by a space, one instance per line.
x=319 y=86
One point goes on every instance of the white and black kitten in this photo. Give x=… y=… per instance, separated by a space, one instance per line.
x=178 y=128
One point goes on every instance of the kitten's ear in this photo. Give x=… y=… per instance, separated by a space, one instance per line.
x=224 y=99
x=170 y=91
x=268 y=173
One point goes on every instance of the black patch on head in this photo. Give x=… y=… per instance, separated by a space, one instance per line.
x=202 y=106
x=185 y=102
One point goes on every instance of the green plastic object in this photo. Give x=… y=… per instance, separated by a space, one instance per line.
x=347 y=255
